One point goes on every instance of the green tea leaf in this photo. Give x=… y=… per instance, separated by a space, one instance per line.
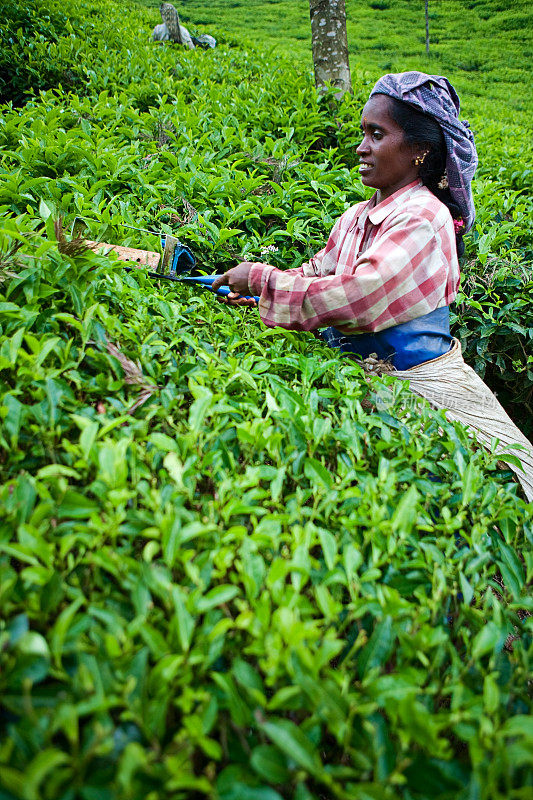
x=216 y=597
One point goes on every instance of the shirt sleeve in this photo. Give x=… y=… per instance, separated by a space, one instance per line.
x=402 y=275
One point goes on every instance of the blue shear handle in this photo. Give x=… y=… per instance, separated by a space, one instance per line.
x=225 y=290
x=207 y=280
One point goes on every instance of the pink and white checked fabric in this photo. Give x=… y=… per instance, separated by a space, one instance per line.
x=383 y=265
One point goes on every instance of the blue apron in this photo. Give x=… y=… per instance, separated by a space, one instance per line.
x=404 y=346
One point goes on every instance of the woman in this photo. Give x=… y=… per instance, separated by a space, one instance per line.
x=384 y=282
x=171 y=29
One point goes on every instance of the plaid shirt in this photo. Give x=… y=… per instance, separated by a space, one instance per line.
x=383 y=265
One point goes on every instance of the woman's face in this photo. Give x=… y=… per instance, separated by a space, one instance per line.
x=386 y=159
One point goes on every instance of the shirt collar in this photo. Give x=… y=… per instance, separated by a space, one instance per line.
x=381 y=211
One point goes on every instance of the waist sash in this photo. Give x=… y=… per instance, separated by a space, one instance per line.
x=404 y=346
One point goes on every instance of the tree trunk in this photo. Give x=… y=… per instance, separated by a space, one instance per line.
x=427 y=27
x=330 y=44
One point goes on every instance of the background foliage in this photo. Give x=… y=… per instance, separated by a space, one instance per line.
x=32 y=55
x=231 y=567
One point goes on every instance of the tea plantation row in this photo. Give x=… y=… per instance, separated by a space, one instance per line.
x=230 y=566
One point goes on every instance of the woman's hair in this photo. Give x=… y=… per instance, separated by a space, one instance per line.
x=421 y=129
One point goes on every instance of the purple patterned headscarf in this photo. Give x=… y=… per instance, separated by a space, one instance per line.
x=435 y=96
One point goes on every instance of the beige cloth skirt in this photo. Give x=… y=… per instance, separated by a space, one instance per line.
x=448 y=383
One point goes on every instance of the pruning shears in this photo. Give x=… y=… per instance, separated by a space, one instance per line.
x=174 y=265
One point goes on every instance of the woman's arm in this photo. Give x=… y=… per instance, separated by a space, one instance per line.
x=322 y=263
x=403 y=274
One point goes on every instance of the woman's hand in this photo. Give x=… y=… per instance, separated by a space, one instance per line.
x=237 y=280
x=236 y=299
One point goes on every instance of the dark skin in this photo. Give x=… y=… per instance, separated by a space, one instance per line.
x=387 y=163
x=237 y=280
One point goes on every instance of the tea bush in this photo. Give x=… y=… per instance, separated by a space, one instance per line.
x=498 y=351
x=232 y=567
x=31 y=57
x=222 y=577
